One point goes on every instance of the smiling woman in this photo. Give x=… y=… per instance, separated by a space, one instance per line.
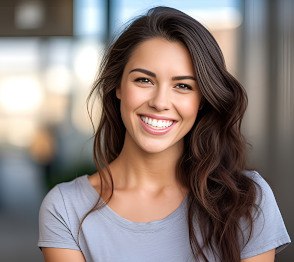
x=158 y=88
x=171 y=181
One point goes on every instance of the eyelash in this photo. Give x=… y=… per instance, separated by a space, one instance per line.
x=144 y=80
x=184 y=86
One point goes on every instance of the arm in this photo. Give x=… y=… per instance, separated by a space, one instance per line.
x=62 y=255
x=268 y=256
x=56 y=231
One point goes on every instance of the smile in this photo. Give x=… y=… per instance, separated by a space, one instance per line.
x=156 y=123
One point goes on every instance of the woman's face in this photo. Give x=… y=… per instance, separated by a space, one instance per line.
x=159 y=96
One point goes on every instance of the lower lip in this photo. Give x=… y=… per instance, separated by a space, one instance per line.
x=154 y=131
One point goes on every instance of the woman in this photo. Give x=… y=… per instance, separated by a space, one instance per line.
x=171 y=181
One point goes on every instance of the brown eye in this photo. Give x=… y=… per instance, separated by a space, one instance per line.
x=142 y=80
x=183 y=87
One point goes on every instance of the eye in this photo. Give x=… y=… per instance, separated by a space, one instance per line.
x=183 y=87
x=143 y=80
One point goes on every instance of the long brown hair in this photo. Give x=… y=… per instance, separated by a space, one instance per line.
x=213 y=161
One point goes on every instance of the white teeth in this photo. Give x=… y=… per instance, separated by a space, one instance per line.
x=160 y=124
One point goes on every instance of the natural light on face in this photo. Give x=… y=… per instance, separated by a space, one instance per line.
x=159 y=96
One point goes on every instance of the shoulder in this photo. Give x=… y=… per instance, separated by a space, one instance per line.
x=262 y=186
x=257 y=178
x=75 y=196
x=269 y=230
x=61 y=212
x=265 y=198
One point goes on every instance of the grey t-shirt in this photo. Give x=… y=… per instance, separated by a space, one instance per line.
x=106 y=236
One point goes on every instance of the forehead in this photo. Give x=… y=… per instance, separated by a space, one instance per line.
x=159 y=52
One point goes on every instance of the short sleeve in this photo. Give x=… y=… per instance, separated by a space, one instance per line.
x=54 y=224
x=269 y=231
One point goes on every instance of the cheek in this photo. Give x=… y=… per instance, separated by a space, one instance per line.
x=132 y=98
x=189 y=108
x=129 y=102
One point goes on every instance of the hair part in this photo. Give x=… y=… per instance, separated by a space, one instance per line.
x=212 y=165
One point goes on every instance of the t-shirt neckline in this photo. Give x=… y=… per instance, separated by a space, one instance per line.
x=151 y=226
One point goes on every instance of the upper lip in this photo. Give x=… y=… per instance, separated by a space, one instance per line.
x=158 y=117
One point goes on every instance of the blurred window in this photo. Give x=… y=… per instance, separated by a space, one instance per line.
x=215 y=14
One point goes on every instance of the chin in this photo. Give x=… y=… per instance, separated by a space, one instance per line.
x=158 y=148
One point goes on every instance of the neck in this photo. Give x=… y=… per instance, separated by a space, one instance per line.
x=137 y=168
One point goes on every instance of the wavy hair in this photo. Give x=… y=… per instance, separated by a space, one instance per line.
x=213 y=160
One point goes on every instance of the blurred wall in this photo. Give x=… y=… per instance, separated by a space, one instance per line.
x=266 y=70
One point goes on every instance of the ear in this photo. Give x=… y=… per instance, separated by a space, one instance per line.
x=118 y=93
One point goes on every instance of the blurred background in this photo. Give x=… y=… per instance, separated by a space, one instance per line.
x=49 y=55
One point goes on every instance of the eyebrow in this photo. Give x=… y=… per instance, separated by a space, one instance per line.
x=149 y=73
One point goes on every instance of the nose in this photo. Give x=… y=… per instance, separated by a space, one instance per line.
x=160 y=99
